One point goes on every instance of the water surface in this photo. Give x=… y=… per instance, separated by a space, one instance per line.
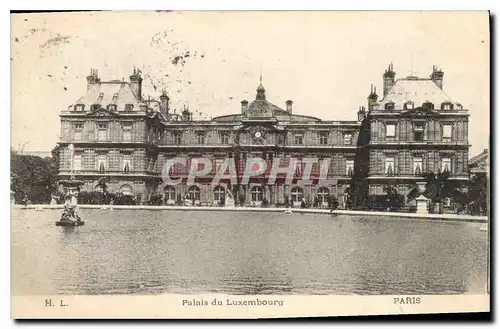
x=147 y=251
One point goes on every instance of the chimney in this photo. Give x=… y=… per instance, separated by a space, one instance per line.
x=136 y=83
x=164 y=99
x=361 y=113
x=92 y=79
x=372 y=98
x=388 y=76
x=437 y=76
x=244 y=106
x=289 y=104
x=186 y=115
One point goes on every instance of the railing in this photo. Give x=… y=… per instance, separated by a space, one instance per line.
x=398 y=142
x=109 y=172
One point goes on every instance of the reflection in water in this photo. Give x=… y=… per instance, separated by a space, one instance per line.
x=150 y=252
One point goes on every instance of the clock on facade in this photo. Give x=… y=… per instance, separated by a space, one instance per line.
x=257 y=134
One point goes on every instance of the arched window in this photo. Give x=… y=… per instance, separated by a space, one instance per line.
x=126 y=189
x=428 y=106
x=257 y=194
x=389 y=106
x=446 y=106
x=194 y=193
x=297 y=194
x=409 y=105
x=323 y=194
x=219 y=193
x=169 y=193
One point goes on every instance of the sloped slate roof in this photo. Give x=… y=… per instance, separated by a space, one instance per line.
x=418 y=91
x=479 y=159
x=113 y=92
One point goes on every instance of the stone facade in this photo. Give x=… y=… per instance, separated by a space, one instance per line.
x=113 y=132
x=415 y=128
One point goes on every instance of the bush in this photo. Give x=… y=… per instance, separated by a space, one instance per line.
x=386 y=202
x=333 y=203
x=156 y=199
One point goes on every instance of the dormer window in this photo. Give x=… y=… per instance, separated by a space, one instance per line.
x=409 y=105
x=389 y=106
x=428 y=106
x=95 y=107
x=446 y=106
x=79 y=107
x=112 y=107
x=459 y=106
x=129 y=107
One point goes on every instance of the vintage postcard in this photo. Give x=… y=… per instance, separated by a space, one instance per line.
x=249 y=164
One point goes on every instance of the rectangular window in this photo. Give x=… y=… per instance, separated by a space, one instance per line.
x=323 y=138
x=417 y=166
x=218 y=163
x=446 y=164
x=102 y=131
x=177 y=138
x=418 y=132
x=349 y=167
x=200 y=138
x=77 y=135
x=298 y=139
x=389 y=166
x=101 y=163
x=127 y=132
x=447 y=133
x=224 y=138
x=77 y=162
x=77 y=131
x=390 y=131
x=127 y=163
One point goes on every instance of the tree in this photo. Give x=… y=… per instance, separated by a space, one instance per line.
x=478 y=195
x=103 y=184
x=32 y=178
x=394 y=200
x=438 y=186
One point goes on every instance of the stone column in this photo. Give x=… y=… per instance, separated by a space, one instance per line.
x=248 y=197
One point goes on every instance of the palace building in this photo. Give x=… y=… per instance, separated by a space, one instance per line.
x=414 y=128
x=112 y=131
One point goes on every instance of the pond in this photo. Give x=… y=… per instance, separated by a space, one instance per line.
x=151 y=252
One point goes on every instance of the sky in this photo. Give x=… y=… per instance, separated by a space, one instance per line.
x=210 y=61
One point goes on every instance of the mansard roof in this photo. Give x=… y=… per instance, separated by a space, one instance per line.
x=112 y=92
x=416 y=90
